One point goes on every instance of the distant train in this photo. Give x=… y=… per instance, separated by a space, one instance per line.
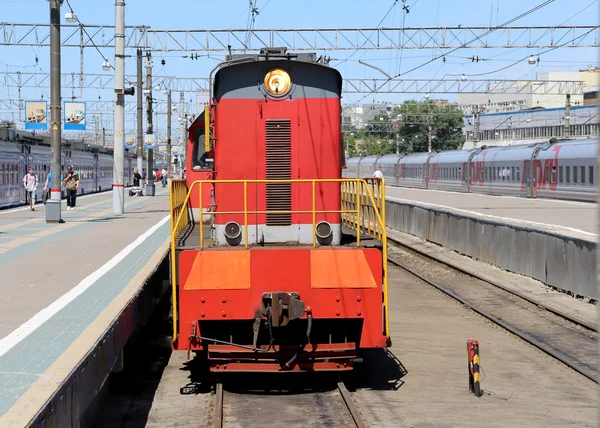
x=17 y=154
x=559 y=169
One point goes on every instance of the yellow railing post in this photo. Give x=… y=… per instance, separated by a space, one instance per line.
x=200 y=204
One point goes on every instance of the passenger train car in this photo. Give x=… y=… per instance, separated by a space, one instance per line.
x=95 y=166
x=560 y=169
x=274 y=282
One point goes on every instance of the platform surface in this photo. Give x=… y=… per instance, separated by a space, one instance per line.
x=566 y=217
x=58 y=278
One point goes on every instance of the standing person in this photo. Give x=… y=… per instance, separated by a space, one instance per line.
x=163 y=175
x=30 y=182
x=48 y=186
x=72 y=184
x=136 y=182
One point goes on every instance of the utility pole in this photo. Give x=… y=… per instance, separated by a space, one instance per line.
x=119 y=127
x=429 y=140
x=182 y=136
x=53 y=212
x=96 y=131
x=140 y=112
x=169 y=133
x=149 y=130
x=568 y=117
x=475 y=127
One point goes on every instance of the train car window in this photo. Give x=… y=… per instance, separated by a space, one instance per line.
x=591 y=171
x=547 y=175
x=560 y=174
x=583 y=175
x=519 y=174
x=512 y=173
x=568 y=174
x=553 y=174
x=574 y=174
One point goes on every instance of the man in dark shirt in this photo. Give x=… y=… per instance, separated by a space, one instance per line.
x=72 y=184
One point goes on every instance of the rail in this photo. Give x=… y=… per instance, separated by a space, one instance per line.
x=362 y=209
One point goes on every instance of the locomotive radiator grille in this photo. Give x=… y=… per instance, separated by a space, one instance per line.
x=278 y=167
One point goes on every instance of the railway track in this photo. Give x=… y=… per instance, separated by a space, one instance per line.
x=564 y=337
x=328 y=408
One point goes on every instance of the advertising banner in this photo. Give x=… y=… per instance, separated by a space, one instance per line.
x=130 y=142
x=149 y=143
x=74 y=116
x=36 y=115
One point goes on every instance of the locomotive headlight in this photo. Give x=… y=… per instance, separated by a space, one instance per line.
x=278 y=82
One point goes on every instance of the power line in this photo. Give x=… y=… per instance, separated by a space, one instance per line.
x=373 y=32
x=510 y=21
x=491 y=30
x=523 y=59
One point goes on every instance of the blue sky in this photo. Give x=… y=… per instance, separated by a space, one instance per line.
x=214 y=14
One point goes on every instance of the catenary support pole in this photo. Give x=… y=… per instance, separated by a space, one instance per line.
x=169 y=112
x=53 y=211
x=182 y=134
x=119 y=127
x=568 y=116
x=149 y=130
x=140 y=112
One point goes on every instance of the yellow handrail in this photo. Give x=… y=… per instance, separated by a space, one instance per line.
x=373 y=190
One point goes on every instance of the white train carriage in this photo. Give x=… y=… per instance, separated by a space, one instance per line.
x=104 y=170
x=413 y=171
x=366 y=167
x=566 y=170
x=389 y=167
x=450 y=170
x=502 y=170
x=12 y=171
x=351 y=170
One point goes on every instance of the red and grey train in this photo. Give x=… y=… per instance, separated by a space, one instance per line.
x=559 y=169
x=276 y=285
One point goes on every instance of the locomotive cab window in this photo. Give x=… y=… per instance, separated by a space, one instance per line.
x=201 y=159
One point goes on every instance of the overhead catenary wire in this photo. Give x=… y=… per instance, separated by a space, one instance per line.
x=373 y=32
x=477 y=37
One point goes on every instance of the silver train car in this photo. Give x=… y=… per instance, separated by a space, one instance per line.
x=559 y=169
x=95 y=166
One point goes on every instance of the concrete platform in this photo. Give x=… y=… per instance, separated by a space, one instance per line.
x=553 y=242
x=70 y=296
x=573 y=218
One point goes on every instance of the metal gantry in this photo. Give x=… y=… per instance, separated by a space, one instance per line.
x=303 y=39
x=72 y=81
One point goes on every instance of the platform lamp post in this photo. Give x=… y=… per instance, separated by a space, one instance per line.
x=119 y=124
x=53 y=211
x=167 y=92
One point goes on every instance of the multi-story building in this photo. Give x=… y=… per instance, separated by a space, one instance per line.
x=498 y=102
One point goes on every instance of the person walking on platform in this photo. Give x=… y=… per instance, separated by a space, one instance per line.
x=30 y=182
x=48 y=186
x=137 y=190
x=163 y=177
x=72 y=184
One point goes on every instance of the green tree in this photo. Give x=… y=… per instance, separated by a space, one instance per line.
x=417 y=120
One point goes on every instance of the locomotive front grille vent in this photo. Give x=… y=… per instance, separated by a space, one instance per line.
x=278 y=167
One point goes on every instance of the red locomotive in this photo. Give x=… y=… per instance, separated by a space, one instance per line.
x=276 y=281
